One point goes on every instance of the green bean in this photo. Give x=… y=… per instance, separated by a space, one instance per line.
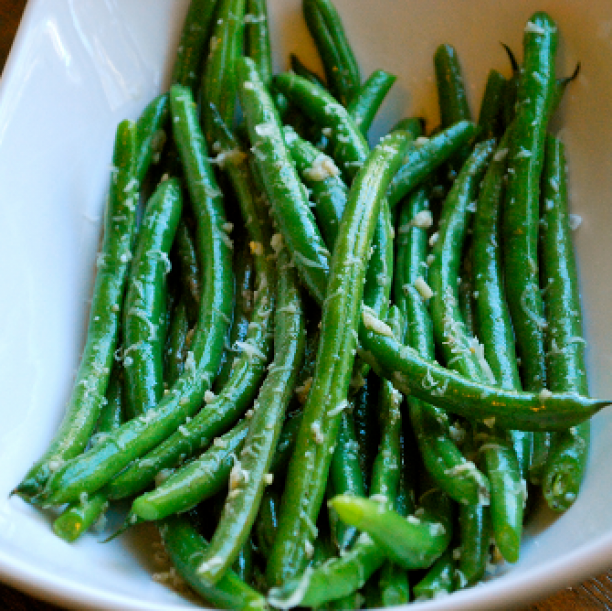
x=451 y=88
x=177 y=344
x=133 y=439
x=565 y=357
x=150 y=134
x=244 y=565
x=219 y=78
x=439 y=453
x=367 y=100
x=341 y=68
x=145 y=300
x=309 y=466
x=387 y=464
x=93 y=374
x=345 y=475
x=112 y=414
x=183 y=251
x=257 y=38
x=334 y=579
x=338 y=578
x=427 y=157
x=200 y=479
x=286 y=442
x=266 y=523
x=411 y=374
x=248 y=476
x=283 y=187
x=193 y=41
x=463 y=353
x=475 y=527
x=521 y=214
x=412 y=544
x=509 y=109
x=498 y=341
x=560 y=87
x=185 y=548
x=365 y=417
x=438 y=581
x=452 y=97
x=394 y=586
x=244 y=273
x=490 y=117
x=300 y=69
x=413 y=125
x=78 y=517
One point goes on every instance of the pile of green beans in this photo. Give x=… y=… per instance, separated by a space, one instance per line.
x=284 y=319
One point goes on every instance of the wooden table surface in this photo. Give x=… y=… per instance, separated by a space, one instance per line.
x=592 y=595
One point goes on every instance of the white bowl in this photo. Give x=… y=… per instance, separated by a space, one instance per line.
x=76 y=70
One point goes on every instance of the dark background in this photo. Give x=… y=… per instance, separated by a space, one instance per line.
x=593 y=595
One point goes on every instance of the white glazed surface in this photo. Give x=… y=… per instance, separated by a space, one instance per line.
x=77 y=68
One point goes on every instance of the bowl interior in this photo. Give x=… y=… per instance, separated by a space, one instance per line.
x=77 y=69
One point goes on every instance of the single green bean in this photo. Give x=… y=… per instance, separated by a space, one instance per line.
x=411 y=374
x=522 y=210
x=368 y=99
x=565 y=357
x=412 y=543
x=219 y=77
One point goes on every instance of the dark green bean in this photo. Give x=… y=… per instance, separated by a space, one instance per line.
x=368 y=99
x=452 y=97
x=435 y=384
x=438 y=581
x=490 y=117
x=475 y=528
x=565 y=357
x=427 y=156
x=193 y=42
x=219 y=78
x=183 y=251
x=341 y=68
x=300 y=69
x=178 y=343
x=521 y=214
x=345 y=475
x=244 y=273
